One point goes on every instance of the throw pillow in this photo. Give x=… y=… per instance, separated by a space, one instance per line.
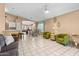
x=9 y=40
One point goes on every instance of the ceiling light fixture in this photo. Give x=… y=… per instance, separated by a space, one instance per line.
x=46 y=9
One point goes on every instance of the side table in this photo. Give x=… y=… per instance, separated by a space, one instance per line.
x=52 y=37
x=75 y=39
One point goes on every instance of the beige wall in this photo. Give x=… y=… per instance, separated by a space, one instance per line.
x=9 y=18
x=49 y=23
x=17 y=19
x=2 y=17
x=68 y=23
x=12 y=18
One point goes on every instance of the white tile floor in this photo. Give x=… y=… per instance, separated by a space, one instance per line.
x=38 y=46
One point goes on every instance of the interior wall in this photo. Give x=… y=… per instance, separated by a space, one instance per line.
x=2 y=17
x=13 y=18
x=19 y=23
x=9 y=18
x=67 y=23
x=18 y=20
x=49 y=24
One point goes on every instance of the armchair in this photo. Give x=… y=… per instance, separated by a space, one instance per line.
x=62 y=38
x=47 y=35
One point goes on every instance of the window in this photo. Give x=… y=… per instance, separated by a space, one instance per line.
x=41 y=26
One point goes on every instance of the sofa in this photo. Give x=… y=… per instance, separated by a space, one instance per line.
x=8 y=50
x=62 y=39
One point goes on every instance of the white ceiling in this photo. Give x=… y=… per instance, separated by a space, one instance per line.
x=35 y=11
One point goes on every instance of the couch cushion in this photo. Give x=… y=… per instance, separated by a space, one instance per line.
x=9 y=40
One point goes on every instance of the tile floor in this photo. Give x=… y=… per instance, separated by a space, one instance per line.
x=38 y=46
